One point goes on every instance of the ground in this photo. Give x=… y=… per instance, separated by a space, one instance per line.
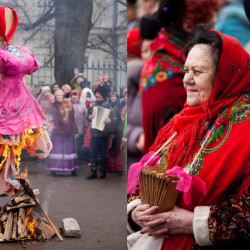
x=99 y=206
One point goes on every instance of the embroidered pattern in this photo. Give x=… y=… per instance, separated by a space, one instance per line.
x=7 y=113
x=163 y=63
x=15 y=51
x=222 y=127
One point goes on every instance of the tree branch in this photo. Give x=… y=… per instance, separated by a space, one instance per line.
x=121 y=2
x=21 y=7
x=50 y=14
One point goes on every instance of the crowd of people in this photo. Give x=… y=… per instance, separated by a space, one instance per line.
x=188 y=105
x=68 y=111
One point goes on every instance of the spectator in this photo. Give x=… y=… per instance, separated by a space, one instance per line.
x=66 y=90
x=36 y=91
x=132 y=14
x=162 y=91
x=80 y=113
x=114 y=153
x=99 y=139
x=124 y=95
x=99 y=82
x=147 y=7
x=135 y=135
x=55 y=87
x=41 y=84
x=86 y=96
x=45 y=99
x=81 y=82
x=107 y=83
x=63 y=155
x=76 y=72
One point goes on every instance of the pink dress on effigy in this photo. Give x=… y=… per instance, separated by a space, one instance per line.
x=21 y=117
x=18 y=109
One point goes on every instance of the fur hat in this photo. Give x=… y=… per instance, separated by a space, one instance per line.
x=149 y=27
x=102 y=90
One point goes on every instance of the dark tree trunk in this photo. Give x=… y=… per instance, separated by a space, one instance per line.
x=72 y=26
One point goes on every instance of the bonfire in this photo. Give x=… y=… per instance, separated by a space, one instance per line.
x=23 y=219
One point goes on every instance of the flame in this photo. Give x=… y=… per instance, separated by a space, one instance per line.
x=30 y=223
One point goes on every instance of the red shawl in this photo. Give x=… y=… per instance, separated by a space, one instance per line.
x=161 y=84
x=225 y=158
x=63 y=118
x=3 y=34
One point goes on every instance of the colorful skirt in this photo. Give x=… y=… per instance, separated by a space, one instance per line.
x=63 y=156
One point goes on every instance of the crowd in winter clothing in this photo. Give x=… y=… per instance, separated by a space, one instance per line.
x=68 y=110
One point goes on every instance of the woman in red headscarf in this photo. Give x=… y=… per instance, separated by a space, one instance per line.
x=161 y=87
x=208 y=147
x=21 y=118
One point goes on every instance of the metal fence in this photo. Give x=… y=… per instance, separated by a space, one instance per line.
x=117 y=74
x=94 y=69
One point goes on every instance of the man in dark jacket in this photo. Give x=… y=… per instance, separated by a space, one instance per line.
x=99 y=138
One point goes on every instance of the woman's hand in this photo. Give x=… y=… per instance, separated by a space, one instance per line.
x=143 y=210
x=176 y=221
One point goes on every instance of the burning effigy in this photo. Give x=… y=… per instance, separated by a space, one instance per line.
x=21 y=127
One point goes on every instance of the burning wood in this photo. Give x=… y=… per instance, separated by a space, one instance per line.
x=22 y=219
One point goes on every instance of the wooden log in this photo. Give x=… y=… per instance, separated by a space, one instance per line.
x=1 y=227
x=47 y=231
x=20 y=205
x=21 y=226
x=4 y=217
x=8 y=229
x=14 y=228
x=19 y=192
x=25 y=198
x=17 y=200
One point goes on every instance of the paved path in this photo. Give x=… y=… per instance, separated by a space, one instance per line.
x=99 y=206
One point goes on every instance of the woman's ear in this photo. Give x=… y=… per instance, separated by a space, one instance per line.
x=9 y=17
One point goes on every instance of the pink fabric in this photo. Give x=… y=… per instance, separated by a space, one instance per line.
x=185 y=183
x=135 y=169
x=18 y=109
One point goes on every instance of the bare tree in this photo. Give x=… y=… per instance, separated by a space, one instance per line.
x=72 y=26
x=107 y=40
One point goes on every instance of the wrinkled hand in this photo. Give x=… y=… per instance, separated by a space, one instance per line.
x=176 y=221
x=143 y=210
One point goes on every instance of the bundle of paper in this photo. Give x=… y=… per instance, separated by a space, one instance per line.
x=158 y=189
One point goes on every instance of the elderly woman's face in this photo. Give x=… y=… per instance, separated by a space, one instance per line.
x=59 y=97
x=200 y=69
